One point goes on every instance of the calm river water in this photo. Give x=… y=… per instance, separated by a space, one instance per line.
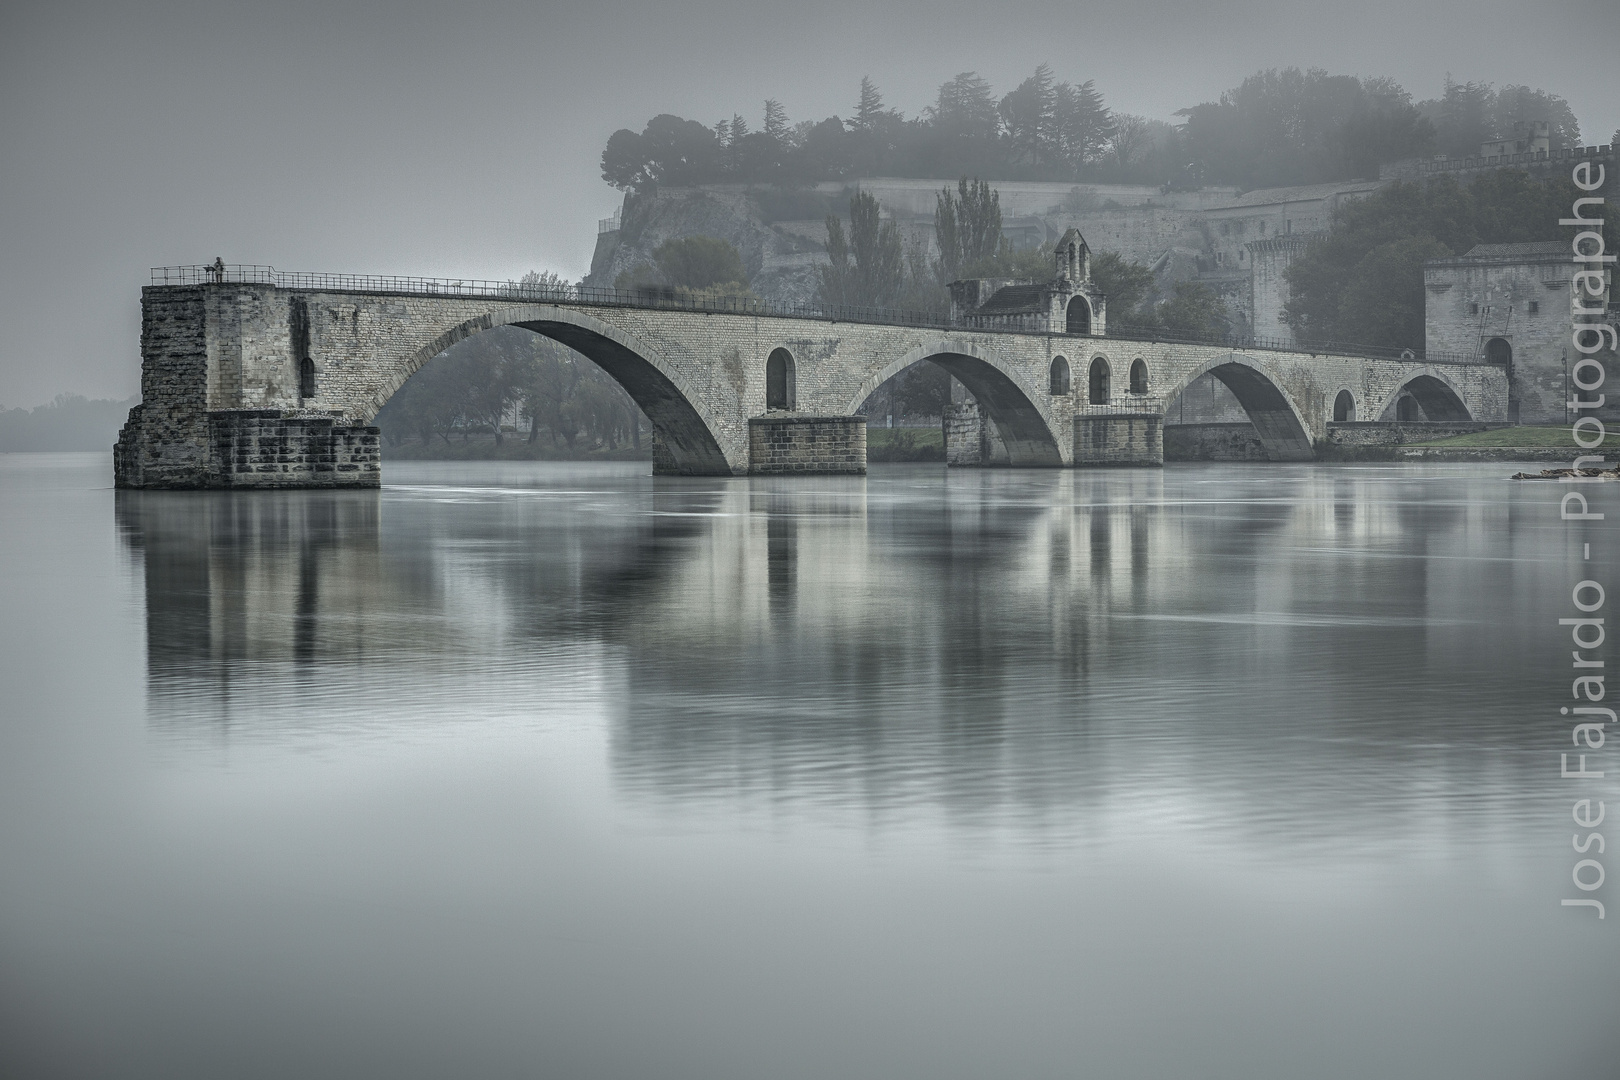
x=563 y=771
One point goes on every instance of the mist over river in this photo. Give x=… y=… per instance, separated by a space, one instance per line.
x=1221 y=772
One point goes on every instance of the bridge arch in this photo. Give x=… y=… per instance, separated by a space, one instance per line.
x=686 y=433
x=1434 y=392
x=1021 y=415
x=1276 y=417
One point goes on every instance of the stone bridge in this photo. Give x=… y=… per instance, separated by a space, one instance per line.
x=273 y=382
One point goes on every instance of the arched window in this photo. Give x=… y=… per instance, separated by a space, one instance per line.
x=306 y=378
x=1099 y=381
x=1138 y=376
x=1344 y=407
x=1060 y=375
x=1498 y=351
x=1407 y=408
x=779 y=380
x=1079 y=316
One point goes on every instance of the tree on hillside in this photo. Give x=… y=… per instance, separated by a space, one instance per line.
x=1382 y=126
x=965 y=109
x=1125 y=284
x=1290 y=126
x=967 y=227
x=1516 y=107
x=1081 y=124
x=870 y=114
x=1028 y=115
x=1193 y=310
x=1131 y=134
x=868 y=268
x=1463 y=117
x=669 y=151
x=776 y=125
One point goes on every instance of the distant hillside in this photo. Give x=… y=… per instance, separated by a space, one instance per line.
x=70 y=422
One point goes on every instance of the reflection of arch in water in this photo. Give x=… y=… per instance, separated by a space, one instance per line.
x=1344 y=407
x=685 y=433
x=1097 y=382
x=779 y=380
x=1020 y=414
x=1433 y=395
x=1078 y=319
x=1276 y=418
x=1060 y=376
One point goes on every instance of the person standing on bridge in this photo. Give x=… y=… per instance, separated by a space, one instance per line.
x=216 y=270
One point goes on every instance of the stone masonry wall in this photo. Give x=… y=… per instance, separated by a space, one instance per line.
x=1118 y=438
x=269 y=448
x=165 y=441
x=794 y=443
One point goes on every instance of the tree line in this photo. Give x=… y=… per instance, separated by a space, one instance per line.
x=1279 y=127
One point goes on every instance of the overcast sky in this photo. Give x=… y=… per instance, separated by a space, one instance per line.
x=463 y=139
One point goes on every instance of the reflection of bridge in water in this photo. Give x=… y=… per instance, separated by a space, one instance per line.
x=989 y=643
x=253 y=378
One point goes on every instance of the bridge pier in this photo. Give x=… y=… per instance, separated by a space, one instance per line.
x=1113 y=435
x=788 y=443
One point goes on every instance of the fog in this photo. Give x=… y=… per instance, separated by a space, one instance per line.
x=464 y=140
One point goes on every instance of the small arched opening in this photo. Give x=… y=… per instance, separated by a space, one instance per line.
x=779 y=388
x=1060 y=375
x=1499 y=351
x=1139 y=378
x=1406 y=408
x=306 y=378
x=1079 y=316
x=1344 y=407
x=1099 y=382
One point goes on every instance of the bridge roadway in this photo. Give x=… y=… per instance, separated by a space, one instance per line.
x=270 y=380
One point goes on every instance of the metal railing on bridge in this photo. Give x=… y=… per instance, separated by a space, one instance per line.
x=661 y=298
